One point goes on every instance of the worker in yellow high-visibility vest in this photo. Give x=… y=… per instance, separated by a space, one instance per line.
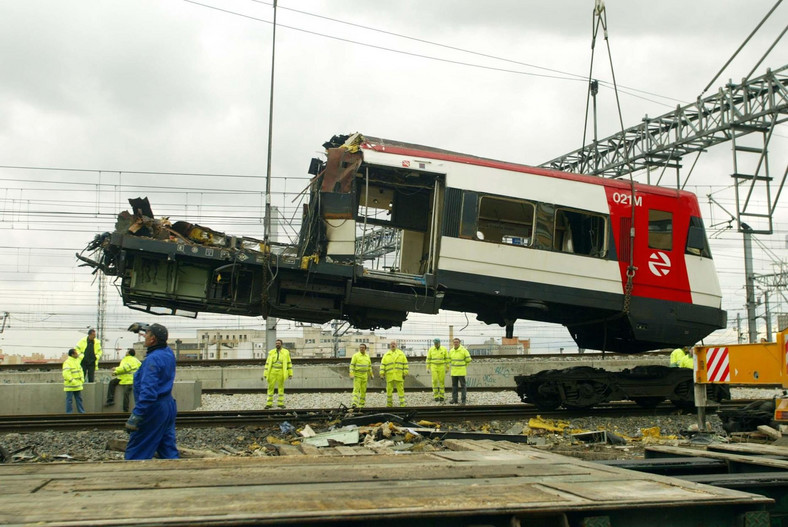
x=277 y=366
x=394 y=368
x=360 y=372
x=681 y=358
x=437 y=360
x=459 y=358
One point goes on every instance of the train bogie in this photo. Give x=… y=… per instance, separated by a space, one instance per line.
x=584 y=387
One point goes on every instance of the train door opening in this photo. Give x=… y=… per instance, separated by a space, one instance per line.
x=398 y=222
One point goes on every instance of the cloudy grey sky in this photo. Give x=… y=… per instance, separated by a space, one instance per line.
x=119 y=88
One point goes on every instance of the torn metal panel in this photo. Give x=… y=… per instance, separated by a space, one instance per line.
x=343 y=435
x=363 y=420
x=337 y=189
x=456 y=434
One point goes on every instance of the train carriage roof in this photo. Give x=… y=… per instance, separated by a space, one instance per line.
x=389 y=146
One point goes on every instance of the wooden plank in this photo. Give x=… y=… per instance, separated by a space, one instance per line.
x=338 y=487
x=309 y=450
x=734 y=458
x=749 y=448
x=406 y=496
x=362 y=451
x=463 y=465
x=463 y=445
x=174 y=464
x=289 y=450
x=345 y=450
x=493 y=445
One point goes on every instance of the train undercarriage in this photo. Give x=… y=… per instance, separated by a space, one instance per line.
x=584 y=387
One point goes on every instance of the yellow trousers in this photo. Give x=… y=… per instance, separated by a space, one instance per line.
x=276 y=380
x=390 y=387
x=438 y=382
x=360 y=391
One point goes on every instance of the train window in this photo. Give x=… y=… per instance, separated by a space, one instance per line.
x=506 y=221
x=470 y=207
x=579 y=233
x=697 y=243
x=660 y=230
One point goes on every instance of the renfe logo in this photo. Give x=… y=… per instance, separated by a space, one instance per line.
x=659 y=263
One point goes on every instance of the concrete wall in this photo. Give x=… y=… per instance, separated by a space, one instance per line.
x=49 y=398
x=482 y=373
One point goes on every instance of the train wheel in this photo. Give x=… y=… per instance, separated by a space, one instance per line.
x=543 y=401
x=648 y=402
x=684 y=396
x=584 y=395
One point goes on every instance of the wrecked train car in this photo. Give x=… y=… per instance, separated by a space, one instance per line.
x=625 y=267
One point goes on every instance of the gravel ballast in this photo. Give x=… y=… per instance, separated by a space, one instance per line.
x=90 y=445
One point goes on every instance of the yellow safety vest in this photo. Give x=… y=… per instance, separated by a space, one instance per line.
x=279 y=361
x=394 y=365
x=125 y=372
x=83 y=344
x=437 y=357
x=73 y=376
x=361 y=365
x=459 y=359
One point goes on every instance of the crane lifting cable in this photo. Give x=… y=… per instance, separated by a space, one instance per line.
x=599 y=20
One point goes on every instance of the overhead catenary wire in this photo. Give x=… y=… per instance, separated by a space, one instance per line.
x=735 y=53
x=568 y=76
x=456 y=48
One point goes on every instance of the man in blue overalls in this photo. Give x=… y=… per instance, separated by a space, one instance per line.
x=152 y=422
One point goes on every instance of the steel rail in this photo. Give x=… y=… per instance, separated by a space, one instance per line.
x=196 y=419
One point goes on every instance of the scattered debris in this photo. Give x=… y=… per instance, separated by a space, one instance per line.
x=286 y=428
x=748 y=418
x=362 y=420
x=515 y=429
x=769 y=431
x=344 y=436
x=599 y=436
x=307 y=432
x=537 y=423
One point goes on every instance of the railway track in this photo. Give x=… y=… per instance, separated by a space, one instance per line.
x=197 y=419
x=228 y=363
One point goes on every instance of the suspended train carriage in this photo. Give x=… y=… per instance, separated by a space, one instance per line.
x=625 y=267
x=508 y=242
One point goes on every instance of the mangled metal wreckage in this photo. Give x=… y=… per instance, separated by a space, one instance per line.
x=467 y=234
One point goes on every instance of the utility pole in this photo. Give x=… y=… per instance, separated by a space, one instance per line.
x=739 y=338
x=101 y=318
x=270 y=322
x=335 y=337
x=767 y=315
x=749 y=284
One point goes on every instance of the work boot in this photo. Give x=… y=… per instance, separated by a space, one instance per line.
x=109 y=403
x=268 y=406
